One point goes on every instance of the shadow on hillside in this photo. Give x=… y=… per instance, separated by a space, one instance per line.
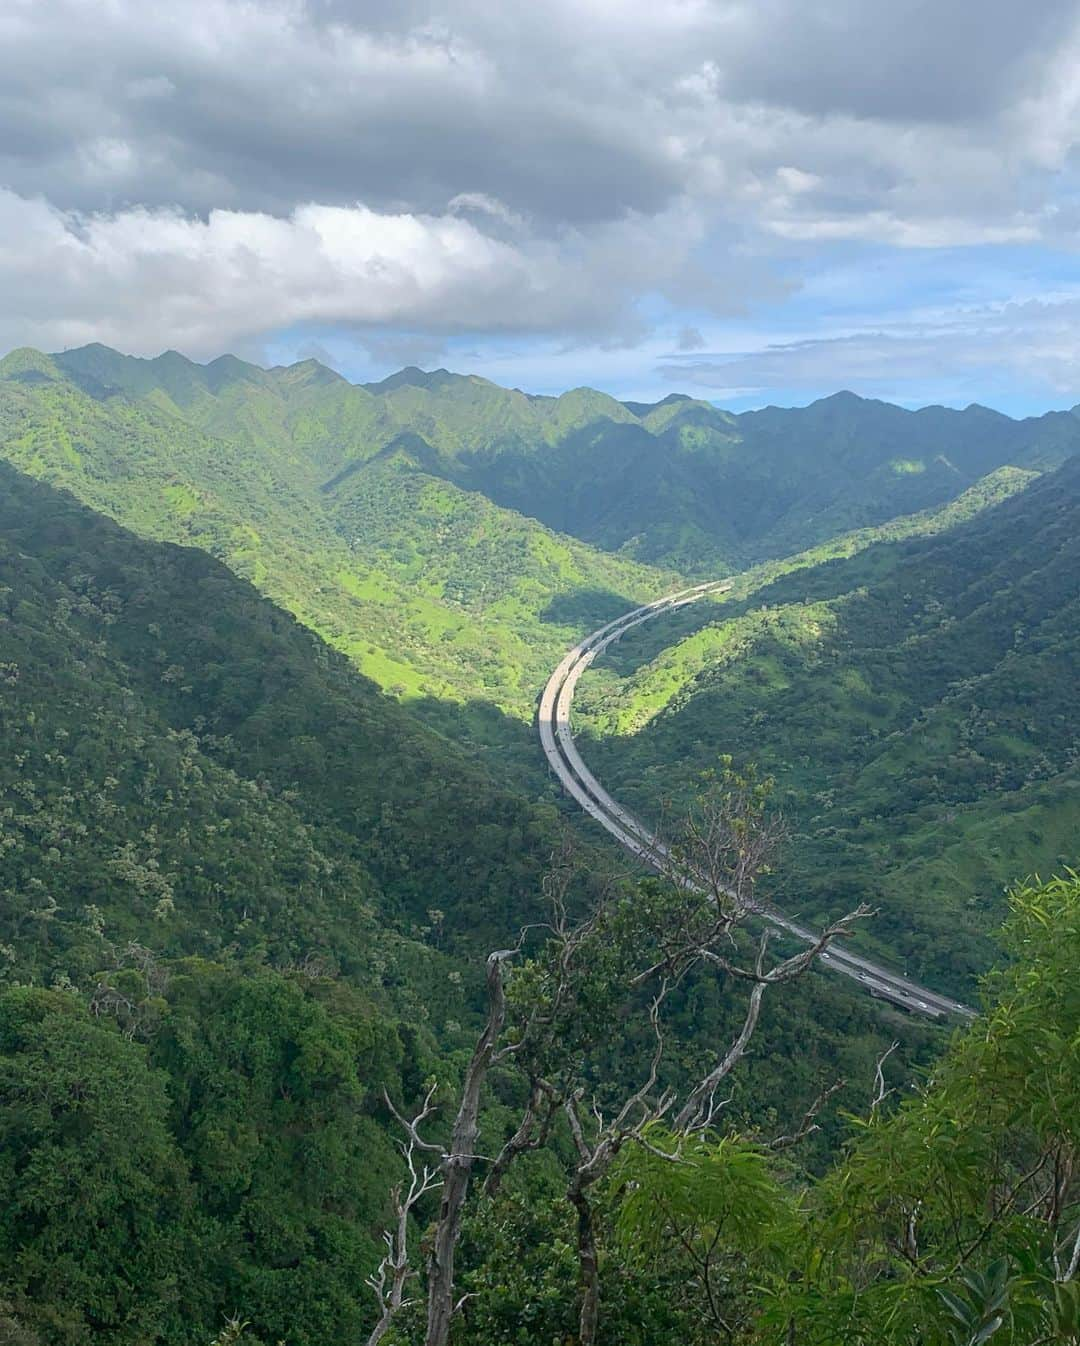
x=586 y=609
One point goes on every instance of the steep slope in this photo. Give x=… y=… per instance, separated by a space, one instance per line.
x=255 y=889
x=143 y=680
x=678 y=484
x=915 y=703
x=207 y=812
x=322 y=538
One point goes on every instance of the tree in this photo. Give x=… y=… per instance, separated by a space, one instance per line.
x=957 y=1217
x=593 y=975
x=96 y=1194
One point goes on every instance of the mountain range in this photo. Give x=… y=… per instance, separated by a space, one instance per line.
x=677 y=483
x=270 y=648
x=398 y=519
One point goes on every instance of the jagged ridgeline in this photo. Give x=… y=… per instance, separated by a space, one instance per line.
x=320 y=494
x=452 y=536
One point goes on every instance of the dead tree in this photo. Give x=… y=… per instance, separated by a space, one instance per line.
x=630 y=950
x=457 y=1163
x=395 y=1270
x=598 y=1139
x=453 y=1169
x=665 y=933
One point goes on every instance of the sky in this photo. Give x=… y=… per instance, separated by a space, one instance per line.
x=753 y=201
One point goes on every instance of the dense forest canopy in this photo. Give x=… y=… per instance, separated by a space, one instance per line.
x=270 y=646
x=914 y=701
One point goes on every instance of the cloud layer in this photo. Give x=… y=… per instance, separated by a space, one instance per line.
x=207 y=172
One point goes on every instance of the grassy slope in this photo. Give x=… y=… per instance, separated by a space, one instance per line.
x=912 y=700
x=680 y=484
x=153 y=701
x=350 y=555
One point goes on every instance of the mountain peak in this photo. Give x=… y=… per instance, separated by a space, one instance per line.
x=309 y=371
x=414 y=377
x=643 y=408
x=26 y=365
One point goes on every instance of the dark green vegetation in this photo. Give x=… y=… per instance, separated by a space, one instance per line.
x=916 y=703
x=144 y=683
x=954 y=1219
x=950 y=1219
x=242 y=891
x=381 y=516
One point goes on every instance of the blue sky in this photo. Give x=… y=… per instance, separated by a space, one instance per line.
x=750 y=200
x=941 y=325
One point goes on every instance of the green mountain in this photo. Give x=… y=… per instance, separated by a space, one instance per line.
x=242 y=890
x=144 y=680
x=433 y=591
x=914 y=701
x=241 y=894
x=678 y=484
x=403 y=522
x=412 y=523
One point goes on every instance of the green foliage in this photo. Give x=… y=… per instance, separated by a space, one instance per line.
x=228 y=1153
x=706 y=1183
x=521 y=1276
x=254 y=885
x=912 y=702
x=96 y=1196
x=185 y=766
x=954 y=1219
x=357 y=508
x=436 y=593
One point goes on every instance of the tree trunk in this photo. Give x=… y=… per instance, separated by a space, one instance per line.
x=589 y=1267
x=457 y=1165
x=528 y=1136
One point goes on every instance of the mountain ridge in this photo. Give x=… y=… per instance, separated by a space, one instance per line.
x=415 y=376
x=679 y=483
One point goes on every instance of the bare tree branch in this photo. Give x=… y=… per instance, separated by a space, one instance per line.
x=808 y=1125
x=540 y=1108
x=700 y=1098
x=881 y=1093
x=457 y=1163
x=389 y=1279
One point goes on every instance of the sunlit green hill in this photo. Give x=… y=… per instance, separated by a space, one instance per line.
x=916 y=702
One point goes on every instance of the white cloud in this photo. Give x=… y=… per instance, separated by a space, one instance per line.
x=145 y=279
x=878 y=226
x=884 y=114
x=538 y=168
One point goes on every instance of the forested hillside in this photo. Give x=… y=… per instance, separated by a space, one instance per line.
x=410 y=522
x=153 y=668
x=246 y=895
x=678 y=483
x=915 y=701
x=243 y=893
x=434 y=592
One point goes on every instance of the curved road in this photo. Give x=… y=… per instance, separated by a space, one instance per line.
x=579 y=782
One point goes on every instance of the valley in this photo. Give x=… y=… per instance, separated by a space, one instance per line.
x=561 y=752
x=539 y=673
x=275 y=650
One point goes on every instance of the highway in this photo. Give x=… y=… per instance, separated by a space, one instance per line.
x=559 y=748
